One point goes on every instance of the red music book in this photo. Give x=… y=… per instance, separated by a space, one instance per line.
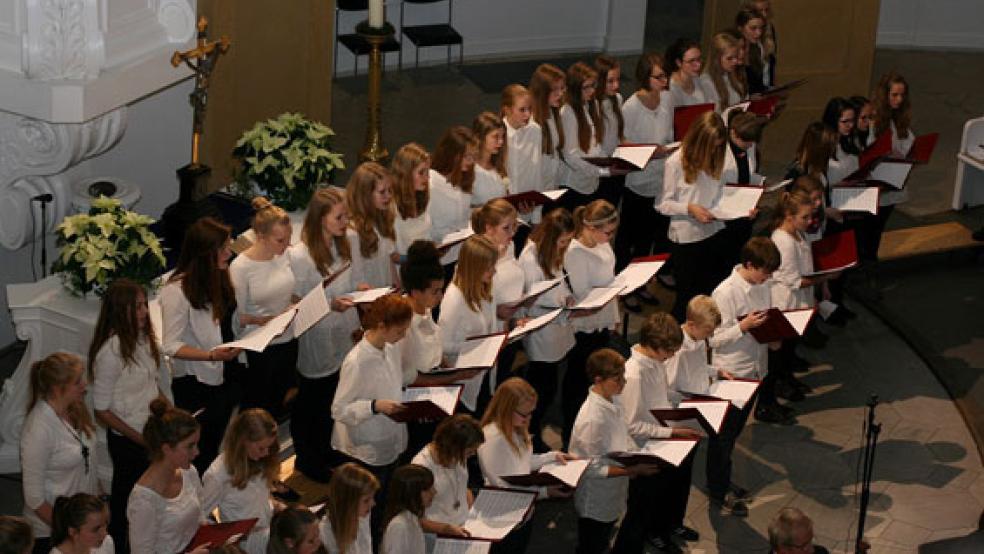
x=428 y=403
x=217 y=534
x=534 y=197
x=835 y=252
x=783 y=88
x=684 y=117
x=765 y=107
x=782 y=324
x=697 y=414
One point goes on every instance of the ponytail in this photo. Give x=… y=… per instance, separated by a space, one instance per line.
x=70 y=512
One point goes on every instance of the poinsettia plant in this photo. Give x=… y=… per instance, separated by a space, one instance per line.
x=106 y=244
x=288 y=158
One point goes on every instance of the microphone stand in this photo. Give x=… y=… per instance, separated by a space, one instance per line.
x=870 y=443
x=44 y=199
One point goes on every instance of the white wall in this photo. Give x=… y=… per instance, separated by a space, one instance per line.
x=931 y=24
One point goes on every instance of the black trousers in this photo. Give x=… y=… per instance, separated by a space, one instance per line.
x=611 y=189
x=641 y=229
x=517 y=541
x=575 y=385
x=311 y=425
x=542 y=376
x=734 y=236
x=268 y=377
x=720 y=448
x=698 y=267
x=217 y=403
x=593 y=536
x=572 y=199
x=870 y=233
x=129 y=463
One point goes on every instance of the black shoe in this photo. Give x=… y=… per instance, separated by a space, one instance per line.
x=786 y=391
x=788 y=411
x=664 y=544
x=773 y=414
x=799 y=385
x=686 y=533
x=837 y=319
x=732 y=505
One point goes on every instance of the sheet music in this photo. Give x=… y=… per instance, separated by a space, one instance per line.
x=460 y=546
x=569 y=473
x=469 y=391
x=536 y=289
x=799 y=319
x=892 y=173
x=446 y=397
x=712 y=411
x=741 y=106
x=496 y=512
x=635 y=275
x=156 y=315
x=258 y=339
x=638 y=156
x=736 y=202
x=310 y=310
x=554 y=194
x=736 y=392
x=534 y=324
x=368 y=296
x=854 y=199
x=673 y=451
x=777 y=186
x=456 y=236
x=597 y=298
x=479 y=352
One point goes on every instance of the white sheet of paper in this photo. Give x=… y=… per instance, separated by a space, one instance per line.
x=826 y=308
x=456 y=236
x=673 y=145
x=258 y=339
x=156 y=315
x=854 y=199
x=597 y=298
x=478 y=352
x=470 y=389
x=799 y=319
x=736 y=392
x=712 y=411
x=636 y=155
x=673 y=451
x=536 y=289
x=779 y=185
x=635 y=275
x=736 y=202
x=893 y=173
x=554 y=194
x=368 y=296
x=569 y=473
x=445 y=397
x=459 y=546
x=741 y=107
x=534 y=324
x=310 y=310
x=496 y=512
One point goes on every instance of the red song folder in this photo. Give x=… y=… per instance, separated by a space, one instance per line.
x=217 y=534
x=782 y=324
x=684 y=117
x=835 y=252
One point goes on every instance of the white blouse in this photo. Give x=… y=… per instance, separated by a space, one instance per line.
x=450 y=210
x=553 y=341
x=507 y=283
x=263 y=288
x=161 y=525
x=678 y=194
x=107 y=547
x=234 y=504
x=797 y=261
x=729 y=173
x=645 y=389
x=123 y=388
x=52 y=463
x=488 y=185
x=403 y=535
x=450 y=486
x=361 y=545
x=410 y=230
x=683 y=98
x=377 y=270
x=368 y=374
x=498 y=459
x=687 y=370
x=611 y=140
x=421 y=348
x=600 y=428
x=458 y=321
x=184 y=325
x=706 y=85
x=744 y=357
x=524 y=164
x=589 y=268
x=556 y=172
x=583 y=176
x=646 y=126
x=322 y=348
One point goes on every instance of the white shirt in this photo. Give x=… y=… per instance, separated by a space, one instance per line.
x=498 y=459
x=161 y=525
x=377 y=270
x=524 y=164
x=52 y=464
x=403 y=535
x=710 y=92
x=123 y=388
x=645 y=389
x=797 y=260
x=729 y=173
x=553 y=341
x=410 y=230
x=458 y=321
x=361 y=545
x=589 y=268
x=234 y=504
x=107 y=547
x=421 y=348
x=450 y=210
x=488 y=185
x=507 y=283
x=743 y=357
x=450 y=486
x=683 y=98
x=600 y=428
x=678 y=194
x=321 y=349
x=556 y=173
x=611 y=140
x=646 y=126
x=583 y=176
x=184 y=325
x=687 y=370
x=368 y=374
x=263 y=288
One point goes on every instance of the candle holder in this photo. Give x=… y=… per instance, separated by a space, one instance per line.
x=373 y=150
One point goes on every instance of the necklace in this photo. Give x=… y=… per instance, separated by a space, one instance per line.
x=84 y=447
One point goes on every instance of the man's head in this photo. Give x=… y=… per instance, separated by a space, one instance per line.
x=791 y=532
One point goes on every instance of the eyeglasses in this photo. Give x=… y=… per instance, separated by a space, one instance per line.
x=659 y=77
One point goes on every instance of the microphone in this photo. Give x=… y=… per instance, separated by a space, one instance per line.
x=43 y=198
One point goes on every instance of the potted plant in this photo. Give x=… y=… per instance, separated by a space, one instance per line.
x=287 y=158
x=105 y=244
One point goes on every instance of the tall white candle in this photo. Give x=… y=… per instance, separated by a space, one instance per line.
x=376 y=14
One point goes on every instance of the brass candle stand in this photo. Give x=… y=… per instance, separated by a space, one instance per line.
x=373 y=150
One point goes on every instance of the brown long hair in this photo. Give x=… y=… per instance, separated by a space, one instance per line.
x=409 y=202
x=453 y=436
x=815 y=149
x=583 y=108
x=448 y=155
x=291 y=524
x=166 y=425
x=405 y=488
x=203 y=283
x=485 y=123
x=603 y=64
x=58 y=370
x=507 y=398
x=368 y=221
x=477 y=256
x=884 y=114
x=541 y=83
x=721 y=43
x=491 y=214
x=546 y=235
x=703 y=147
x=349 y=483
x=250 y=426
x=312 y=233
x=118 y=316
x=789 y=203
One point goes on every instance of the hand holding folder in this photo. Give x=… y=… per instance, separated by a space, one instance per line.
x=781 y=325
x=217 y=534
x=428 y=403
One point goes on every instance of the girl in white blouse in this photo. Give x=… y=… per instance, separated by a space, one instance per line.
x=195 y=303
x=508 y=450
x=239 y=481
x=840 y=116
x=609 y=101
x=79 y=526
x=411 y=492
x=323 y=253
x=548 y=85
x=165 y=507
x=792 y=288
x=369 y=194
x=719 y=81
x=410 y=171
x=583 y=135
x=600 y=497
x=57 y=441
x=124 y=365
x=589 y=263
x=295 y=530
x=264 y=285
x=524 y=142
x=346 y=527
x=761 y=63
x=456 y=439
x=684 y=64
x=547 y=347
x=452 y=179
x=691 y=186
x=491 y=180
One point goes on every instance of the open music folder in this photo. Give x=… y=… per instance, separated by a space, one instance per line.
x=684 y=117
x=455 y=237
x=428 y=403
x=781 y=325
x=446 y=545
x=259 y=338
x=736 y=201
x=737 y=391
x=632 y=157
x=368 y=296
x=835 y=252
x=597 y=298
x=701 y=415
x=657 y=451
x=310 y=310
x=534 y=197
x=551 y=474
x=532 y=325
x=536 y=289
x=850 y=198
x=879 y=164
x=639 y=272
x=496 y=512
x=218 y=534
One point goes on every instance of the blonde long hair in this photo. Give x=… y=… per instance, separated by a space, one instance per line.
x=349 y=483
x=251 y=426
x=313 y=233
x=507 y=398
x=53 y=372
x=541 y=85
x=478 y=255
x=409 y=202
x=485 y=123
x=721 y=43
x=368 y=221
x=703 y=147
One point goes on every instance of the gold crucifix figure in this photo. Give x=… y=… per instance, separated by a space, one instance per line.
x=201 y=59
